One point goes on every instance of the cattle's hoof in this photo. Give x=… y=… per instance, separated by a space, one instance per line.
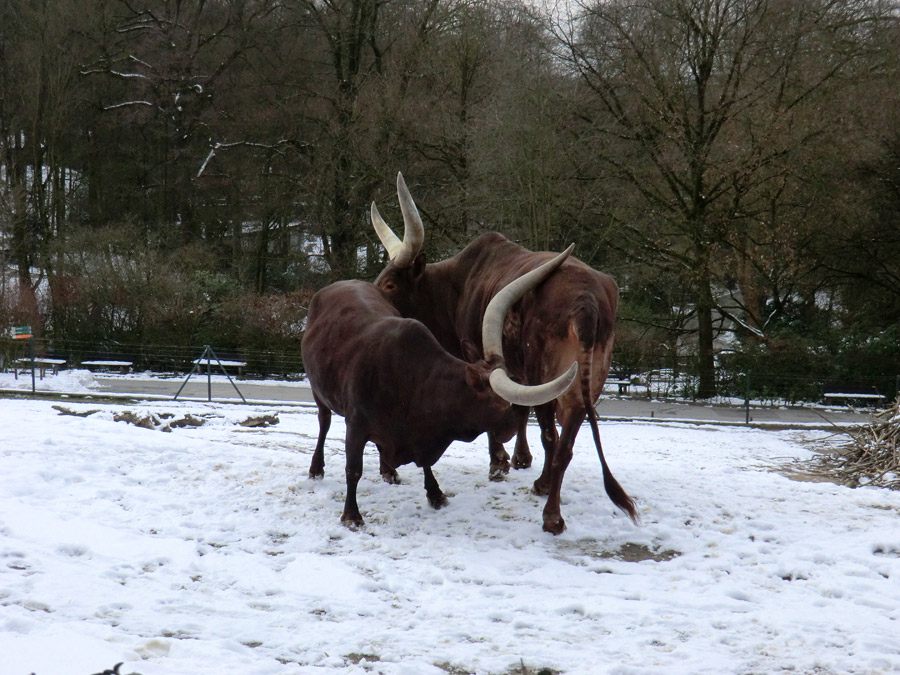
x=391 y=477
x=352 y=522
x=554 y=524
x=499 y=471
x=521 y=461
x=540 y=488
x=317 y=475
x=439 y=501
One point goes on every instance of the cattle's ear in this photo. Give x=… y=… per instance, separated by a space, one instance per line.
x=469 y=351
x=418 y=266
x=476 y=379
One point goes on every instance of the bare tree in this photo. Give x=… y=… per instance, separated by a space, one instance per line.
x=165 y=66
x=702 y=105
x=39 y=114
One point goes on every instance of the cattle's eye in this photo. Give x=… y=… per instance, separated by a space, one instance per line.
x=389 y=286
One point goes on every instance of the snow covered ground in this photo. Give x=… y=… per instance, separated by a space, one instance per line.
x=82 y=381
x=208 y=550
x=73 y=381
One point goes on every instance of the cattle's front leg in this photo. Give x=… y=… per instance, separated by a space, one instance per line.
x=436 y=498
x=317 y=465
x=354 y=446
x=522 y=458
x=549 y=439
x=499 y=458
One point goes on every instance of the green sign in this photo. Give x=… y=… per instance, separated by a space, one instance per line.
x=20 y=332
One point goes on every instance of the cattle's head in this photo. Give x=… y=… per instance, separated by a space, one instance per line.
x=494 y=393
x=492 y=339
x=400 y=279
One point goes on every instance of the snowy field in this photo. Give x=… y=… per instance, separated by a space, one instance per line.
x=208 y=550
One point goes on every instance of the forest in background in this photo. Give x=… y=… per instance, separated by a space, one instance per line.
x=187 y=173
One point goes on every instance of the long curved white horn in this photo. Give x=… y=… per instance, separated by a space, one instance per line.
x=402 y=253
x=535 y=394
x=413 y=230
x=386 y=235
x=492 y=339
x=506 y=297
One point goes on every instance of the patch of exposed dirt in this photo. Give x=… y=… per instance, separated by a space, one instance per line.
x=356 y=658
x=521 y=669
x=260 y=421
x=62 y=410
x=628 y=552
x=167 y=421
x=808 y=473
x=159 y=421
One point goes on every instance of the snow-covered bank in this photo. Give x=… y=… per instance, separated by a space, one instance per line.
x=207 y=550
x=71 y=381
x=82 y=381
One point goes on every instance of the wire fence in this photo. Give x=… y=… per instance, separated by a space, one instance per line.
x=662 y=384
x=176 y=359
x=767 y=387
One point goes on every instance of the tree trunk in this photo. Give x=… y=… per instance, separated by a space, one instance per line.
x=262 y=257
x=706 y=367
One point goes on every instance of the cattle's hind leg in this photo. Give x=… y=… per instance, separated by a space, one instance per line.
x=432 y=490
x=354 y=446
x=317 y=465
x=553 y=520
x=549 y=438
x=522 y=458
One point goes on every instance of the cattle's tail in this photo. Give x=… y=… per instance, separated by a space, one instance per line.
x=616 y=492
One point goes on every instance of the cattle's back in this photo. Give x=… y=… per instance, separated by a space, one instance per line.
x=361 y=356
x=574 y=293
x=343 y=319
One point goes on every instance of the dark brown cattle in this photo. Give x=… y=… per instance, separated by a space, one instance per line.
x=397 y=387
x=569 y=317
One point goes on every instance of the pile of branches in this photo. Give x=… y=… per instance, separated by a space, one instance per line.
x=872 y=455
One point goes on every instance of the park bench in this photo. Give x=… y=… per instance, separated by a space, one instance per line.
x=206 y=362
x=121 y=366
x=866 y=395
x=42 y=364
x=622 y=384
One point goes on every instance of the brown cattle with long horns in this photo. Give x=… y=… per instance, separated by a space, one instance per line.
x=398 y=388
x=569 y=317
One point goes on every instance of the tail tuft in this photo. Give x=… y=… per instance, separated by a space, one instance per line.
x=614 y=491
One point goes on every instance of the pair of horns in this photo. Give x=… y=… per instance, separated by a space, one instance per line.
x=403 y=252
